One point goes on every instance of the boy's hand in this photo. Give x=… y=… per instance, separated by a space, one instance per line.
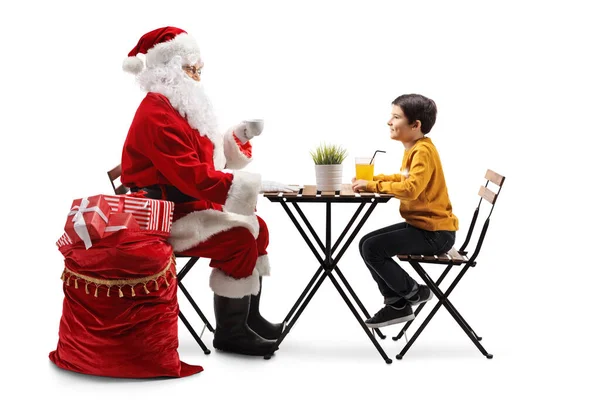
x=358 y=185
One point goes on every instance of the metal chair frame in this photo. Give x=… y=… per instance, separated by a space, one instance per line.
x=452 y=258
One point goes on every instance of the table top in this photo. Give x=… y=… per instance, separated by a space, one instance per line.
x=309 y=193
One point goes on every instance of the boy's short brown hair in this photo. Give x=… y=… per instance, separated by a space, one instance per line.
x=418 y=107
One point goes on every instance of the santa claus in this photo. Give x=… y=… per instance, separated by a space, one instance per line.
x=175 y=151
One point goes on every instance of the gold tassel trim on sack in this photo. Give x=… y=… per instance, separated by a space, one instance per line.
x=67 y=275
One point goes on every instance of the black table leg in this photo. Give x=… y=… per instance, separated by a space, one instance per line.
x=359 y=318
x=303 y=305
x=343 y=250
x=327 y=265
x=357 y=300
x=303 y=295
x=335 y=246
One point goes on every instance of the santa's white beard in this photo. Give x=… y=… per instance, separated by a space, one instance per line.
x=189 y=98
x=185 y=95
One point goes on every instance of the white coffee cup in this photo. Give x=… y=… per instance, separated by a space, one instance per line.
x=254 y=127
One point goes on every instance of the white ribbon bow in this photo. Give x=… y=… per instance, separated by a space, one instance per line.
x=79 y=222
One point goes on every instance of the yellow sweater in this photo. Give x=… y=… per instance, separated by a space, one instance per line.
x=421 y=188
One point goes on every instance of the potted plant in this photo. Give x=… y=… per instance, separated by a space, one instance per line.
x=328 y=160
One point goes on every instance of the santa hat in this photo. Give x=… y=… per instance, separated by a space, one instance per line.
x=160 y=46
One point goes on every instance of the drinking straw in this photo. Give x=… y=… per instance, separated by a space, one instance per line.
x=374 y=154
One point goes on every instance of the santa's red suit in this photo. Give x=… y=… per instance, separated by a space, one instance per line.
x=163 y=149
x=175 y=151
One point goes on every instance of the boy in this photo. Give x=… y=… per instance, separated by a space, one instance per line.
x=430 y=226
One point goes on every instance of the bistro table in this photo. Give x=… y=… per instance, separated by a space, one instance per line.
x=328 y=263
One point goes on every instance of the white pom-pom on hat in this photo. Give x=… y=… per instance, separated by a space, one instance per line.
x=133 y=65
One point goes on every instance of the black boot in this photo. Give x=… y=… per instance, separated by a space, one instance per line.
x=260 y=325
x=232 y=333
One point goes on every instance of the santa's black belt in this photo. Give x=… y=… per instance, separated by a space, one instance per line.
x=164 y=192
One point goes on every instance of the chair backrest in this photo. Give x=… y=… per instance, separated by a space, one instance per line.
x=113 y=175
x=487 y=194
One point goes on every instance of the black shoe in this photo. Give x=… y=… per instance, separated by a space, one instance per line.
x=257 y=323
x=390 y=315
x=423 y=294
x=232 y=333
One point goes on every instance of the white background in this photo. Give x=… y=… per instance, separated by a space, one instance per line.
x=516 y=84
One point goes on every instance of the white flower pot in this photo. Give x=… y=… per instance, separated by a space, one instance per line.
x=329 y=177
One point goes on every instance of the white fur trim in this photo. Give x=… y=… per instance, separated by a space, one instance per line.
x=227 y=286
x=133 y=65
x=218 y=150
x=199 y=226
x=243 y=193
x=181 y=45
x=263 y=266
x=236 y=159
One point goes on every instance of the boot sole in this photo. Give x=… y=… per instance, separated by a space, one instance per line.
x=270 y=335
x=245 y=352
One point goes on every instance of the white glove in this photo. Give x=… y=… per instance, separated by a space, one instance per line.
x=239 y=131
x=272 y=186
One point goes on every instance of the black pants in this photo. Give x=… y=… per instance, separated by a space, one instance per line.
x=379 y=247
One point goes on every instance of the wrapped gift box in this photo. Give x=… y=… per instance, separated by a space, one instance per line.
x=87 y=219
x=118 y=221
x=153 y=215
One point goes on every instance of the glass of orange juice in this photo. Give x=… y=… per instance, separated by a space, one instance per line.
x=364 y=170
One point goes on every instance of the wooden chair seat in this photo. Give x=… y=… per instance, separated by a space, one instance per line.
x=452 y=257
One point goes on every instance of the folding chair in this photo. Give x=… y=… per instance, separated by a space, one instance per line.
x=115 y=174
x=452 y=258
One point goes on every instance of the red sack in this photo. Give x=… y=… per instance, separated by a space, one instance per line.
x=120 y=310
